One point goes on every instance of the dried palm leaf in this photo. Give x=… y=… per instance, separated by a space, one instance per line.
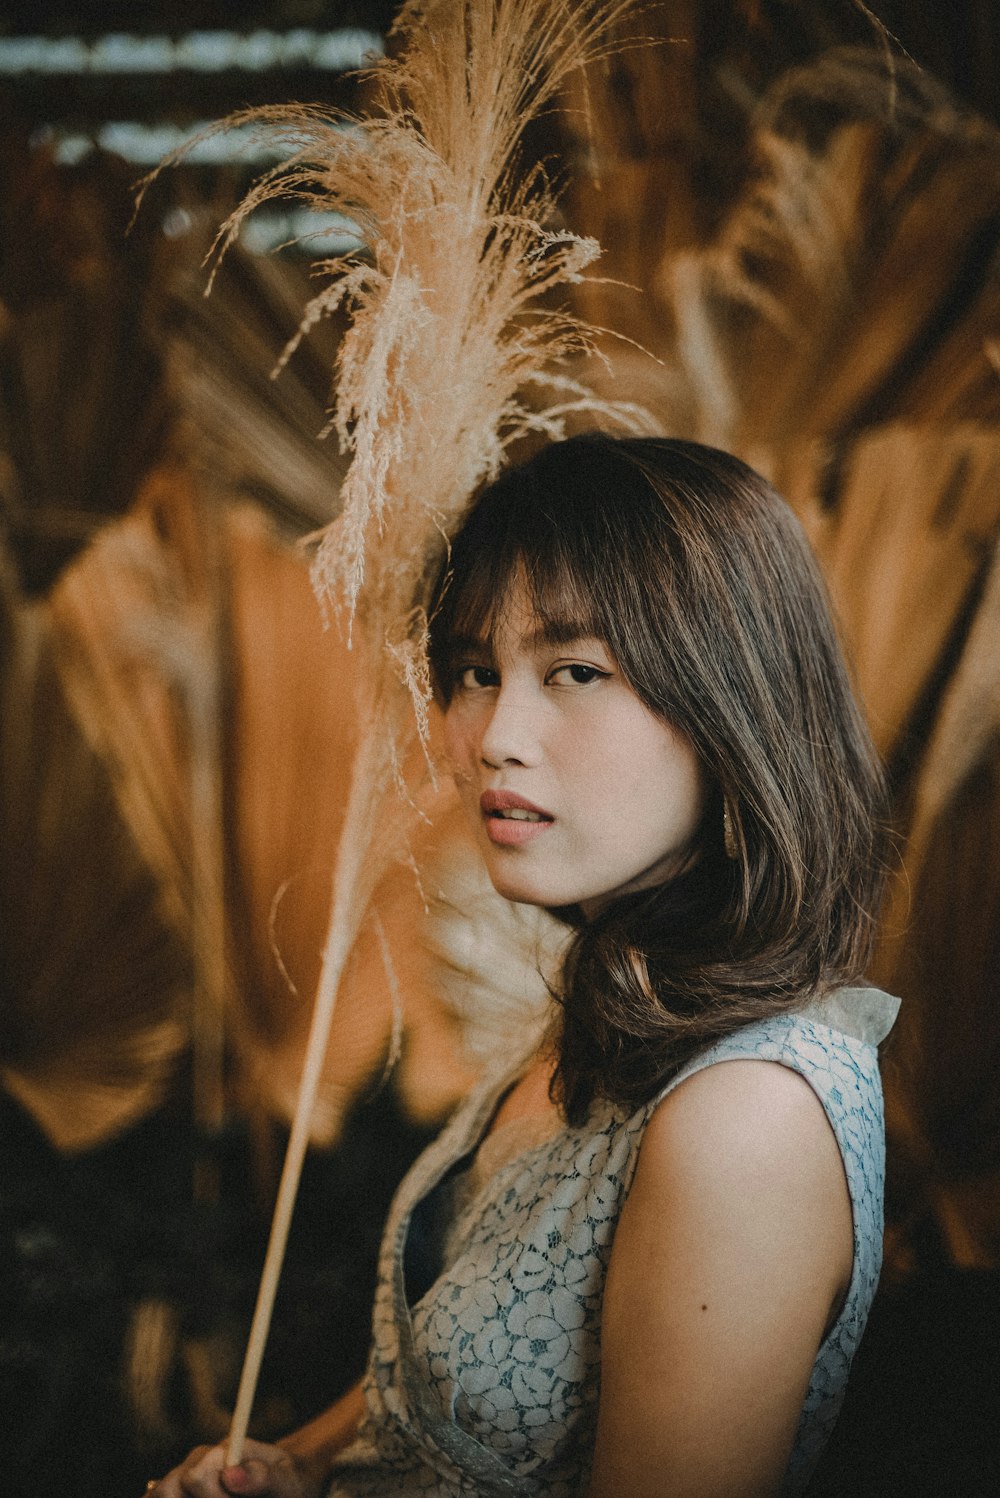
x=244 y=432
x=912 y=521
x=75 y=449
x=138 y=630
x=87 y=951
x=943 y=952
x=941 y=947
x=967 y=728
x=124 y=646
x=856 y=277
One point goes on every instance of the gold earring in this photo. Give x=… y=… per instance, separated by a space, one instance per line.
x=728 y=832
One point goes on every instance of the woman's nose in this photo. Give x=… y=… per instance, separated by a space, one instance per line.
x=510 y=734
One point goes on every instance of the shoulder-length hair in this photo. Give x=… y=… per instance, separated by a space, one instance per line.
x=699 y=580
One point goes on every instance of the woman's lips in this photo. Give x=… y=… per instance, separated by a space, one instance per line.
x=511 y=820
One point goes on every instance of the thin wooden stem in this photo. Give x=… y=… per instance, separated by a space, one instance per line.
x=349 y=899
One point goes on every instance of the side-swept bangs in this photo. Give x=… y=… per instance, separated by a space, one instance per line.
x=514 y=536
x=584 y=527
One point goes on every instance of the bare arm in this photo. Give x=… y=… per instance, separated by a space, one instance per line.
x=732 y=1255
x=316 y=1444
x=297 y=1467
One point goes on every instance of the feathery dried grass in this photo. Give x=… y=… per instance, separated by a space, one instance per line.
x=450 y=323
x=448 y=291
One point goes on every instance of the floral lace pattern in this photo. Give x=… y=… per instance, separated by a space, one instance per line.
x=489 y=1383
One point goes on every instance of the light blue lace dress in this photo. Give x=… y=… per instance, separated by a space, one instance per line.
x=488 y=1383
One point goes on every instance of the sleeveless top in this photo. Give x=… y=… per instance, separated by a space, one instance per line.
x=487 y=1384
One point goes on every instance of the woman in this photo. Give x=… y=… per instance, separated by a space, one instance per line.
x=627 y=1268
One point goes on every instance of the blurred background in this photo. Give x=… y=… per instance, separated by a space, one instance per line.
x=801 y=222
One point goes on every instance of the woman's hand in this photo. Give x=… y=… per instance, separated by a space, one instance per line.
x=296 y=1468
x=265 y=1472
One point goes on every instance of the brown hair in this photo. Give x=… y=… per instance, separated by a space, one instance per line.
x=698 y=578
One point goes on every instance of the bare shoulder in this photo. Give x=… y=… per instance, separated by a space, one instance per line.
x=746 y=1144
x=732 y=1256
x=739 y=1114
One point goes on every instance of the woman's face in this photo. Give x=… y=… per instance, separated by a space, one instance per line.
x=576 y=791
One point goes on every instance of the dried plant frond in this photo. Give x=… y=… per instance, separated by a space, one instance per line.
x=828 y=299
x=450 y=320
x=93 y=975
x=914 y=519
x=448 y=289
x=968 y=725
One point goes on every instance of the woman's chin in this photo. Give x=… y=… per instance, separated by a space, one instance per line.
x=547 y=895
x=518 y=895
x=523 y=891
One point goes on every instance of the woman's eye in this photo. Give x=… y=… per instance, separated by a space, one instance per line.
x=473 y=678
x=576 y=673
